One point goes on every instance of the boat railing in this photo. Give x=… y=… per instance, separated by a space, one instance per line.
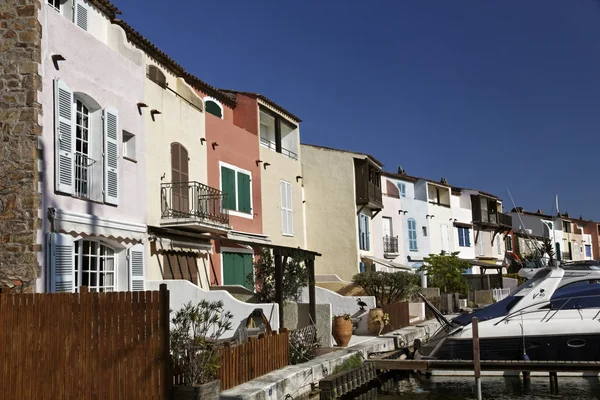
x=530 y=308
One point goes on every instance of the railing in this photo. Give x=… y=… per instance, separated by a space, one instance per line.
x=505 y=220
x=390 y=244
x=193 y=200
x=273 y=146
x=88 y=178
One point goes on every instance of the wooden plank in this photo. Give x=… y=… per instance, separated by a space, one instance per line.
x=122 y=348
x=157 y=357
x=165 y=333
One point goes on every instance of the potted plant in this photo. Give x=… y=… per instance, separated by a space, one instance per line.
x=341 y=329
x=194 y=334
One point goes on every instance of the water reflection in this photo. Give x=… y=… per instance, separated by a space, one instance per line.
x=509 y=388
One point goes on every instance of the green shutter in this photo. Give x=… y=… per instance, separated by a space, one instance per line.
x=236 y=269
x=243 y=186
x=213 y=108
x=228 y=187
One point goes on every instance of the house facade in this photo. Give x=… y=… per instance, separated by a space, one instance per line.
x=233 y=153
x=343 y=196
x=92 y=144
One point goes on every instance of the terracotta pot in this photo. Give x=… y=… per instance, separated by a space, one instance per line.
x=341 y=330
x=375 y=316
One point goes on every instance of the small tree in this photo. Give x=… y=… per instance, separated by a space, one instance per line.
x=295 y=277
x=387 y=287
x=196 y=328
x=445 y=271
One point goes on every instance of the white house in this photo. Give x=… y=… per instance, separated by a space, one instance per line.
x=93 y=180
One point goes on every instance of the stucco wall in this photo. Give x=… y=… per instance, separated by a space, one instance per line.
x=331 y=221
x=178 y=122
x=461 y=211
x=181 y=292
x=391 y=206
x=415 y=205
x=281 y=168
x=297 y=316
x=111 y=80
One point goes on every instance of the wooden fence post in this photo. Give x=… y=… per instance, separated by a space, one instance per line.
x=163 y=316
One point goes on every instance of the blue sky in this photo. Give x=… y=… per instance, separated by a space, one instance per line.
x=491 y=95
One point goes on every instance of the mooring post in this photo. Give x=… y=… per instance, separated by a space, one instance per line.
x=476 y=360
x=553 y=383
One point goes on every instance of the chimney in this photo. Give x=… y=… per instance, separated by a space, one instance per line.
x=401 y=171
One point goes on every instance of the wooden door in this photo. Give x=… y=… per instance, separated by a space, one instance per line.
x=179 y=180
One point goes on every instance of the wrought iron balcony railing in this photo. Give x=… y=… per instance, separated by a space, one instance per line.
x=390 y=244
x=273 y=146
x=194 y=200
x=88 y=178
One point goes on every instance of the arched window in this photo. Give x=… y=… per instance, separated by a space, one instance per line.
x=157 y=76
x=94 y=266
x=213 y=107
x=179 y=179
x=412 y=234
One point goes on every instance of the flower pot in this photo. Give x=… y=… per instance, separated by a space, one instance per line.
x=341 y=331
x=375 y=320
x=207 y=391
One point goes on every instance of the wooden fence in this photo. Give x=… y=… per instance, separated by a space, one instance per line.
x=85 y=345
x=399 y=316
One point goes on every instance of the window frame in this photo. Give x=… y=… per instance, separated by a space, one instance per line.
x=126 y=144
x=464 y=234
x=78 y=246
x=364 y=234
x=411 y=240
x=278 y=121
x=289 y=211
x=237 y=170
x=55 y=4
x=402 y=189
x=218 y=103
x=588 y=247
x=508 y=243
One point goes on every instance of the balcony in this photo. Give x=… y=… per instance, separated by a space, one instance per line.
x=368 y=184
x=194 y=206
x=273 y=146
x=485 y=213
x=88 y=178
x=390 y=246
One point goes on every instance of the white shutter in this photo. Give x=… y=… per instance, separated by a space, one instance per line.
x=81 y=14
x=64 y=138
x=62 y=262
x=284 y=215
x=111 y=156
x=290 y=218
x=135 y=256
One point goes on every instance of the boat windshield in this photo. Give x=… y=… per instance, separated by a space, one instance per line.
x=504 y=306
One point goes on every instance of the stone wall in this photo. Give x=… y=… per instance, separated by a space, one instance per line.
x=20 y=56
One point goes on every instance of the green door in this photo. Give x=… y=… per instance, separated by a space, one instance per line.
x=236 y=268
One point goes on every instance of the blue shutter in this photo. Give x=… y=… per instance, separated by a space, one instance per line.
x=468 y=237
x=368 y=244
x=461 y=240
x=360 y=232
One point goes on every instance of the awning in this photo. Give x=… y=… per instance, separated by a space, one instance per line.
x=389 y=264
x=485 y=264
x=248 y=238
x=92 y=225
x=165 y=243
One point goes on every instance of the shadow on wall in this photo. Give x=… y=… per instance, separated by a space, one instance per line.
x=182 y=291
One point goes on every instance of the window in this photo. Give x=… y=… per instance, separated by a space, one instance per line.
x=157 y=76
x=238 y=269
x=508 y=243
x=94 y=266
x=213 y=107
x=235 y=183
x=412 y=235
x=128 y=145
x=81 y=14
x=424 y=231
x=278 y=134
x=566 y=226
x=86 y=146
x=588 y=250
x=287 y=215
x=464 y=237
x=364 y=237
x=83 y=163
x=55 y=4
x=402 y=189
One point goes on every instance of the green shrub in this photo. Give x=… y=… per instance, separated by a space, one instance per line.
x=353 y=362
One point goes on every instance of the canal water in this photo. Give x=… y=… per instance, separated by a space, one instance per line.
x=509 y=388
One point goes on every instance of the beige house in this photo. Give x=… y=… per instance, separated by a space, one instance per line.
x=342 y=192
x=181 y=206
